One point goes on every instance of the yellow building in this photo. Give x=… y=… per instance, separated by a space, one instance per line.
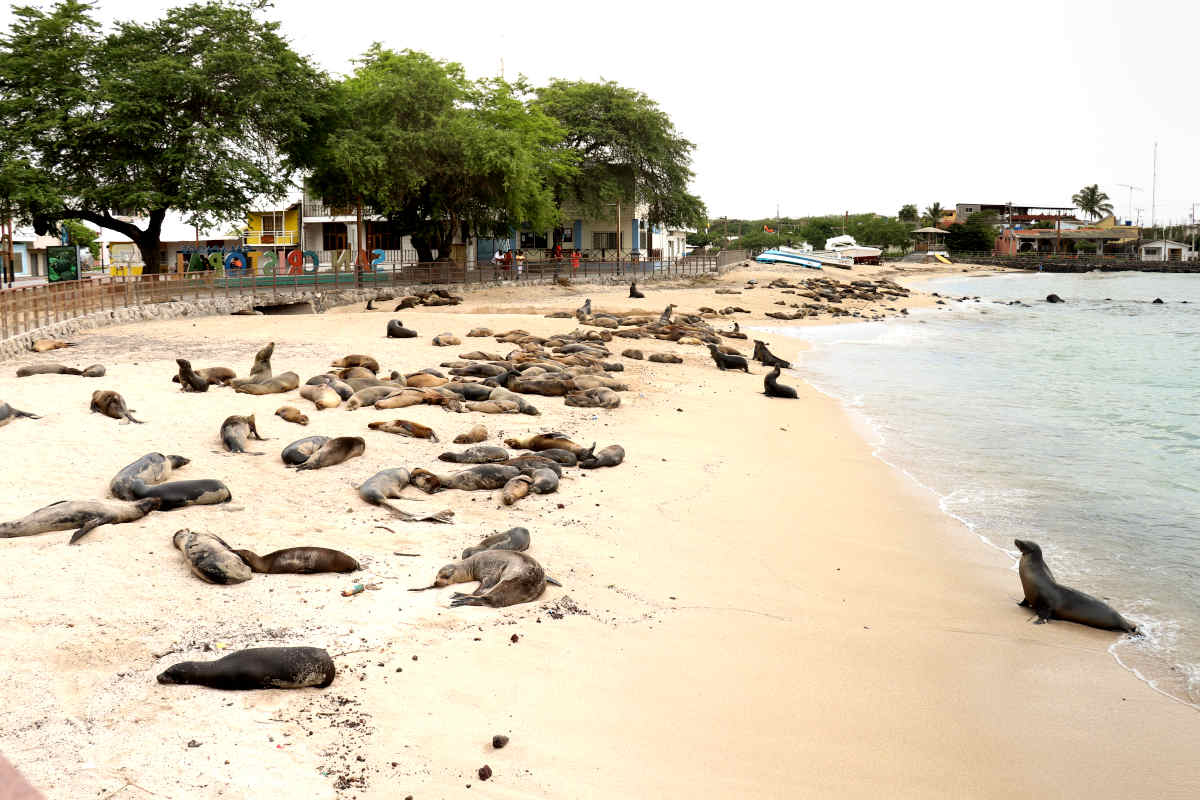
x=271 y=230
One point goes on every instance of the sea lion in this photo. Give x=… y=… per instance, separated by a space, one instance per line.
x=665 y=316
x=1051 y=600
x=300 y=450
x=503 y=394
x=149 y=469
x=482 y=477
x=258 y=668
x=334 y=451
x=484 y=454
x=406 y=302
x=403 y=427
x=210 y=558
x=725 y=362
x=599 y=397
x=46 y=345
x=47 y=369
x=111 y=404
x=505 y=578
x=401 y=398
x=85 y=515
x=321 y=396
x=478 y=433
x=516 y=488
x=261 y=371
x=634 y=354
x=371 y=395
x=94 y=371
x=299 y=561
x=772 y=388
x=216 y=376
x=766 y=357
x=356 y=373
x=8 y=414
x=479 y=332
x=234 y=431
x=396 y=330
x=189 y=381
x=492 y=406
x=470 y=391
x=446 y=340
x=516 y=539
x=177 y=494
x=547 y=441
x=610 y=456
x=357 y=360
x=544 y=481
x=277 y=385
x=665 y=358
x=344 y=390
x=529 y=463
x=634 y=292
x=564 y=457
x=291 y=415
x=422 y=380
x=387 y=484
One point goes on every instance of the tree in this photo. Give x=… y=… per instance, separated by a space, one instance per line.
x=1091 y=201
x=203 y=110
x=970 y=237
x=626 y=148
x=438 y=154
x=78 y=233
x=933 y=214
x=908 y=213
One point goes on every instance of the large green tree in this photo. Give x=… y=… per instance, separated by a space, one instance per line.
x=908 y=213
x=201 y=110
x=438 y=154
x=627 y=150
x=1091 y=201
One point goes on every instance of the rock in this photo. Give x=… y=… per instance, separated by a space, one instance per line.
x=193 y=743
x=1053 y=298
x=499 y=740
x=1158 y=301
x=485 y=772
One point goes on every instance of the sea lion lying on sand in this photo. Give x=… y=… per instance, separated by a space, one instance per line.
x=210 y=558
x=291 y=414
x=8 y=414
x=396 y=330
x=111 y=404
x=548 y=441
x=478 y=433
x=277 y=385
x=321 y=396
x=483 y=454
x=216 y=376
x=387 y=484
x=404 y=427
x=610 y=456
x=599 y=397
x=300 y=450
x=515 y=539
x=483 y=477
x=46 y=345
x=357 y=360
x=94 y=371
x=258 y=668
x=85 y=515
x=235 y=430
x=299 y=561
x=334 y=451
x=177 y=494
x=149 y=469
x=505 y=578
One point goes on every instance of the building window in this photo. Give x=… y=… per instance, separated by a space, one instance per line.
x=333 y=236
x=604 y=240
x=566 y=235
x=533 y=241
x=1152 y=252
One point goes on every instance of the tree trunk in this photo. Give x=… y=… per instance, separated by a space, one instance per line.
x=423 y=248
x=148 y=243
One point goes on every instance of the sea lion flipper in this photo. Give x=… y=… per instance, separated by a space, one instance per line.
x=86 y=529
x=1024 y=604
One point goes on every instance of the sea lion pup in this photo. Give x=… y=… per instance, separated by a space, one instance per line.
x=261 y=371
x=291 y=415
x=403 y=427
x=479 y=332
x=772 y=388
x=665 y=316
x=446 y=340
x=277 y=385
x=257 y=668
x=516 y=539
x=357 y=360
x=725 y=362
x=216 y=376
x=321 y=396
x=210 y=558
x=85 y=515
x=299 y=561
x=111 y=404
x=766 y=357
x=484 y=454
x=149 y=469
x=423 y=380
x=599 y=397
x=584 y=311
x=1051 y=600
x=356 y=373
x=234 y=431
x=47 y=369
x=484 y=476
x=634 y=291
x=632 y=353
x=478 y=433
x=548 y=441
x=189 y=381
x=177 y=494
x=388 y=483
x=610 y=456
x=8 y=414
x=300 y=450
x=665 y=358
x=492 y=406
x=396 y=330
x=46 y=345
x=516 y=488
x=335 y=451
x=505 y=578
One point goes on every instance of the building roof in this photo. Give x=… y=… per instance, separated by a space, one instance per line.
x=1165 y=241
x=930 y=230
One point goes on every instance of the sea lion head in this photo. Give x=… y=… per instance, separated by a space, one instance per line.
x=184 y=364
x=148 y=504
x=178 y=461
x=1028 y=548
x=178 y=673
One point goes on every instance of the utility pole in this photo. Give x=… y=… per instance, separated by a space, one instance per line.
x=1154 y=189
x=1132 y=189
x=358 y=267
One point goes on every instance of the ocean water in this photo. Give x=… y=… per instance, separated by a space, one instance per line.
x=1076 y=425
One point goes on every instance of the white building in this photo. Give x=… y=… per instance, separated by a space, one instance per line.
x=1164 y=250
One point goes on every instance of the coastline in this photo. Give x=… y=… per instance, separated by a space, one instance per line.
x=753 y=578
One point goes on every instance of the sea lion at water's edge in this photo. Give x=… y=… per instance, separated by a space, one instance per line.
x=1051 y=600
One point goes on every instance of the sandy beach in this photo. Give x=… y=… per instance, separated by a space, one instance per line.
x=753 y=605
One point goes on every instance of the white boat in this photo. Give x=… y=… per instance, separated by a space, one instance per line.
x=846 y=247
x=788 y=255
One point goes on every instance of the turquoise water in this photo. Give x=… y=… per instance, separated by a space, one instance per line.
x=1076 y=425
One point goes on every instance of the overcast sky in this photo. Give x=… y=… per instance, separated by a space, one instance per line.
x=856 y=106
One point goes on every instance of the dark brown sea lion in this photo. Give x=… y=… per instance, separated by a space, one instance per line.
x=529 y=463
x=357 y=360
x=85 y=515
x=479 y=332
x=47 y=369
x=46 y=345
x=505 y=578
x=149 y=469
x=446 y=340
x=300 y=450
x=665 y=358
x=356 y=373
x=516 y=539
x=396 y=330
x=111 y=404
x=291 y=415
x=544 y=481
x=210 y=558
x=765 y=357
x=404 y=427
x=636 y=355
x=188 y=380
x=300 y=561
x=258 y=668
x=261 y=370
x=334 y=451
x=483 y=454
x=1051 y=600
x=478 y=433
x=277 y=385
x=8 y=414
x=216 y=376
x=772 y=388
x=564 y=457
x=548 y=441
x=235 y=430
x=634 y=292
x=177 y=494
x=482 y=477
x=725 y=362
x=610 y=456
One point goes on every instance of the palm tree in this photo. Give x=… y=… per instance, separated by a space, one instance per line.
x=1093 y=202
x=934 y=214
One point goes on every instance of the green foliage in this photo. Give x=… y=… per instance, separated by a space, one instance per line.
x=82 y=235
x=970 y=237
x=908 y=213
x=203 y=110
x=933 y=214
x=872 y=229
x=1091 y=201
x=1043 y=224
x=625 y=147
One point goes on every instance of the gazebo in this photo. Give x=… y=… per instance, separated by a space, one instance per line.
x=931 y=240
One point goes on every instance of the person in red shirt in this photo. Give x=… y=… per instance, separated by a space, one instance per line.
x=574 y=260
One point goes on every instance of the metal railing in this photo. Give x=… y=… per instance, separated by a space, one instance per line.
x=271 y=237
x=1074 y=262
